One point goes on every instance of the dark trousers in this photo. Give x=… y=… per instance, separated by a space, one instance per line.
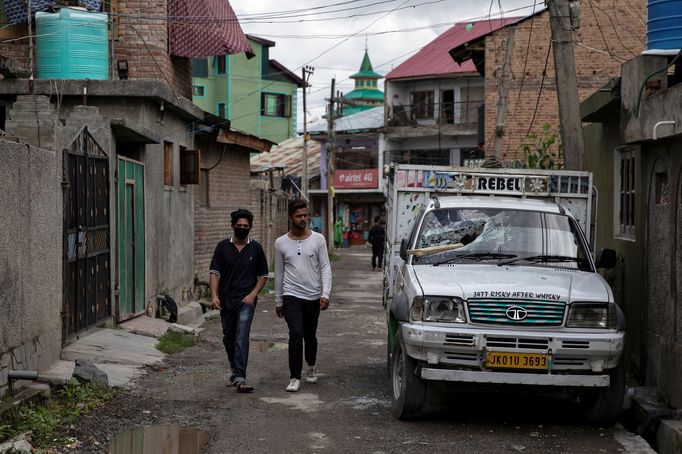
x=301 y=317
x=377 y=253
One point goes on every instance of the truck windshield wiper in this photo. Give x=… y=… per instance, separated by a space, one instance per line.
x=476 y=255
x=541 y=258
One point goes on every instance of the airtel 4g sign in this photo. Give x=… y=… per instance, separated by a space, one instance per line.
x=356 y=179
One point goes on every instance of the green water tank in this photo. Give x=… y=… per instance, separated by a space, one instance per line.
x=72 y=44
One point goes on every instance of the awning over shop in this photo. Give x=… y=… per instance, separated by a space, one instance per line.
x=203 y=28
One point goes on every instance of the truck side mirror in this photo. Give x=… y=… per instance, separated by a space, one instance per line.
x=403 y=249
x=606 y=258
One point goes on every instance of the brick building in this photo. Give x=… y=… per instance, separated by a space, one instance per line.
x=224 y=187
x=609 y=33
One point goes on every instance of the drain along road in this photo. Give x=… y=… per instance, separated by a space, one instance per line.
x=348 y=410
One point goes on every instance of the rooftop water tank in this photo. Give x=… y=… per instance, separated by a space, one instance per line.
x=72 y=44
x=664 y=26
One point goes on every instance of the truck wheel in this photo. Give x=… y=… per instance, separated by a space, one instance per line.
x=408 y=390
x=602 y=407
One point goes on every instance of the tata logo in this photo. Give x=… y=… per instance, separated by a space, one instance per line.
x=516 y=313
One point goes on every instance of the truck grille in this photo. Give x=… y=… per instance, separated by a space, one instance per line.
x=538 y=313
x=513 y=342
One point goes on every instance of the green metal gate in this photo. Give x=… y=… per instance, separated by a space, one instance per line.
x=130 y=190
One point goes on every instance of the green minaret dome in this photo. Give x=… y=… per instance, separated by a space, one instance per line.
x=366 y=93
x=366 y=70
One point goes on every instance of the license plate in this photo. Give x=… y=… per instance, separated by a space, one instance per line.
x=517 y=360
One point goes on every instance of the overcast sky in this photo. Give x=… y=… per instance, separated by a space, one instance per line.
x=330 y=34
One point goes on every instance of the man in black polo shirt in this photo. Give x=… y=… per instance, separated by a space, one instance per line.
x=239 y=271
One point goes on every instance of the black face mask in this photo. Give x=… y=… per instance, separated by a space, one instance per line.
x=241 y=233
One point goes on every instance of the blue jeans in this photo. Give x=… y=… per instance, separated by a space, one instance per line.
x=236 y=328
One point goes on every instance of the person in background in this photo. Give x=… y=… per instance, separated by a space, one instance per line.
x=303 y=282
x=377 y=237
x=316 y=223
x=338 y=233
x=239 y=270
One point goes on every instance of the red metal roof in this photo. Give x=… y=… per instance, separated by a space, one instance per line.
x=434 y=59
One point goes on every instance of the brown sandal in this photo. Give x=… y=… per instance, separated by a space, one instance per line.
x=244 y=388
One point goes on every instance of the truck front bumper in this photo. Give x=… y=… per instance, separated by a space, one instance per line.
x=458 y=353
x=514 y=378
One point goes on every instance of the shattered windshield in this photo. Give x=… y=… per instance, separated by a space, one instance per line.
x=490 y=235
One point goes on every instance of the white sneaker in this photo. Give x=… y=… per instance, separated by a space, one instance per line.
x=311 y=377
x=293 y=385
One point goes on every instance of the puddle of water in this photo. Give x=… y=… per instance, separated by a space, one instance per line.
x=267 y=346
x=160 y=440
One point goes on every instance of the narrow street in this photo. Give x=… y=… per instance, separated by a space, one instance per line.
x=348 y=410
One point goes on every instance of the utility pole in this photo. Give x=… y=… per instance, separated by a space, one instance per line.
x=331 y=158
x=561 y=21
x=307 y=72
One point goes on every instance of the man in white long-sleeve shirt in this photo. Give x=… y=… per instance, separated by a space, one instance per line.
x=303 y=281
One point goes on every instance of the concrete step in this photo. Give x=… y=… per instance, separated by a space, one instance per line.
x=119 y=375
x=113 y=346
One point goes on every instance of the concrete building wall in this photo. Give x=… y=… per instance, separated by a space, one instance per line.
x=31 y=259
x=245 y=85
x=610 y=33
x=169 y=217
x=240 y=89
x=630 y=294
x=278 y=129
x=647 y=281
x=169 y=209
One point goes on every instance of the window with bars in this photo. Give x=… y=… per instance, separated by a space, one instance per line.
x=625 y=192
x=275 y=105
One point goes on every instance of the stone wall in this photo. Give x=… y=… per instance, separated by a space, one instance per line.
x=31 y=259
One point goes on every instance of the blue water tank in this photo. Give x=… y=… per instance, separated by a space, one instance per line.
x=664 y=25
x=72 y=44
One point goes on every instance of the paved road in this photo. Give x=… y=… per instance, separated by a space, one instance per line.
x=349 y=409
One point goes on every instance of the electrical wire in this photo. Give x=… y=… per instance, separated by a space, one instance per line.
x=542 y=83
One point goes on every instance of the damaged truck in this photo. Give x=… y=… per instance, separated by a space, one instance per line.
x=490 y=283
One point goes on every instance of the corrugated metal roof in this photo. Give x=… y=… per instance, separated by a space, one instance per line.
x=289 y=154
x=434 y=58
x=370 y=119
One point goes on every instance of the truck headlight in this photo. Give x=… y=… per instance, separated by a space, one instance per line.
x=438 y=309
x=592 y=315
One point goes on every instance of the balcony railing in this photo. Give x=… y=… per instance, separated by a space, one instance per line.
x=428 y=114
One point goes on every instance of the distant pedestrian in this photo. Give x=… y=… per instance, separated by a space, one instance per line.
x=377 y=237
x=338 y=233
x=239 y=270
x=303 y=281
x=316 y=223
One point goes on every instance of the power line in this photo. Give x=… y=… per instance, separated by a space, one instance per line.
x=542 y=83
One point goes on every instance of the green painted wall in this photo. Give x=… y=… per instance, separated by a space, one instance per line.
x=240 y=89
